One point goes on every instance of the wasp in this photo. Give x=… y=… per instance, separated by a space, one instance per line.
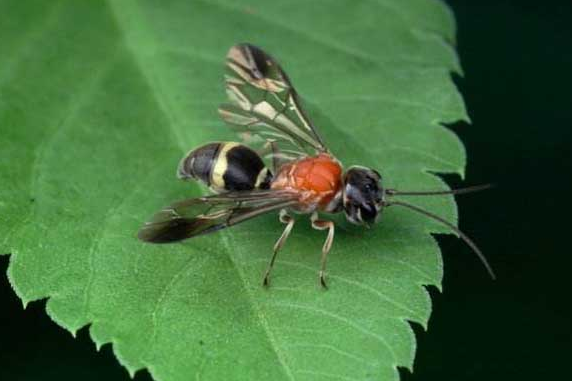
x=305 y=178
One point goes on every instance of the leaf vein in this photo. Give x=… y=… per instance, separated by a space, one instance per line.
x=337 y=317
x=333 y=349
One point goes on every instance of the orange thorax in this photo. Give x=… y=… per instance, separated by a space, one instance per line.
x=318 y=179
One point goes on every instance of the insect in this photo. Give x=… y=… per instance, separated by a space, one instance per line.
x=306 y=178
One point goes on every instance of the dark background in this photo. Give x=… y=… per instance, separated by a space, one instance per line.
x=517 y=57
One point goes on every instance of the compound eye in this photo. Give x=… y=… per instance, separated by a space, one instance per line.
x=370 y=187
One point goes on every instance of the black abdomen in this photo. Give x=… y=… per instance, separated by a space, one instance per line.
x=225 y=166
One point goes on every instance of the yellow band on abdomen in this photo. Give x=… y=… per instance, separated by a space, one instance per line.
x=221 y=165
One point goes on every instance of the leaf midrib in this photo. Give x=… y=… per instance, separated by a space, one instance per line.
x=168 y=112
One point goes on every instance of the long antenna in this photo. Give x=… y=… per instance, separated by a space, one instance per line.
x=464 y=237
x=476 y=188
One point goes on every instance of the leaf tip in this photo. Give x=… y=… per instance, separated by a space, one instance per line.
x=131 y=372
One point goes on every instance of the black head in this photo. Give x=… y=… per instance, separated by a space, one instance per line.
x=363 y=195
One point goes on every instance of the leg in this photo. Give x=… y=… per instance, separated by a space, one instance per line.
x=289 y=221
x=323 y=225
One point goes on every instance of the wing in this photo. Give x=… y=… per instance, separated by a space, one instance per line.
x=264 y=102
x=203 y=215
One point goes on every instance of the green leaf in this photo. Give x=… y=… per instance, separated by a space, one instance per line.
x=99 y=101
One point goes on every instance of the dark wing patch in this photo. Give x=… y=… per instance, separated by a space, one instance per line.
x=264 y=102
x=203 y=215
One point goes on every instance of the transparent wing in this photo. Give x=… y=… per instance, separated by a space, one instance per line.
x=263 y=102
x=203 y=215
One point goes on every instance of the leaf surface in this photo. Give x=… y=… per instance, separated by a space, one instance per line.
x=100 y=100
